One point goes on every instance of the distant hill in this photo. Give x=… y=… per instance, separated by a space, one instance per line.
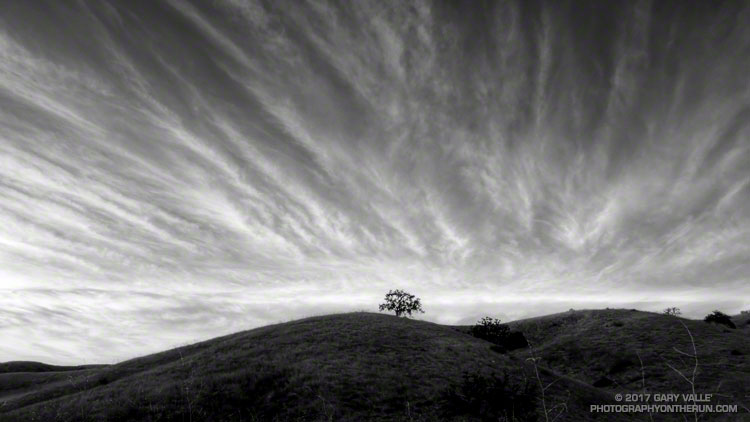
x=374 y=367
x=28 y=366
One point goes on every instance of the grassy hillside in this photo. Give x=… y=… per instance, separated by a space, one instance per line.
x=605 y=348
x=742 y=321
x=20 y=377
x=346 y=367
x=374 y=367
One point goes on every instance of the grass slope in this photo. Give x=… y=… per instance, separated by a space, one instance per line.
x=18 y=378
x=742 y=321
x=602 y=348
x=348 y=367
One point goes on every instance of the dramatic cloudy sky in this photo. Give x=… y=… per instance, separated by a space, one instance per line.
x=176 y=170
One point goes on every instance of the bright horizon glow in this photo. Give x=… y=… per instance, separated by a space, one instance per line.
x=177 y=170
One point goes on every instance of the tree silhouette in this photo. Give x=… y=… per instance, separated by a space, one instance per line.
x=401 y=303
x=672 y=311
x=717 y=317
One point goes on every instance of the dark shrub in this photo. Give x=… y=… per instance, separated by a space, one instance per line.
x=603 y=382
x=620 y=365
x=736 y=352
x=516 y=340
x=492 y=330
x=491 y=398
x=498 y=349
x=719 y=318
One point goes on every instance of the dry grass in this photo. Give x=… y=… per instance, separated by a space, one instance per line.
x=364 y=366
x=632 y=351
x=341 y=367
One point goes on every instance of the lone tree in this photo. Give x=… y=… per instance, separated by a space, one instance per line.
x=401 y=303
x=672 y=311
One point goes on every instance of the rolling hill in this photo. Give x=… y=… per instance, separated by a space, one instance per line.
x=374 y=367
x=621 y=350
x=27 y=366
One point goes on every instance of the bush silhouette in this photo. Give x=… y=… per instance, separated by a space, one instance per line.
x=401 y=303
x=515 y=340
x=717 y=317
x=492 y=330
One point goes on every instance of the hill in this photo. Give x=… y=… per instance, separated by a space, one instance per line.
x=28 y=366
x=742 y=320
x=347 y=367
x=19 y=377
x=627 y=350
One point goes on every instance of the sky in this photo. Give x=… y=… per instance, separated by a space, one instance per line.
x=171 y=171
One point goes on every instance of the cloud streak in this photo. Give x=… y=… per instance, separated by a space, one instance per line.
x=190 y=169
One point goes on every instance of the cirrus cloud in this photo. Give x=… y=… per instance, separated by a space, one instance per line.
x=192 y=169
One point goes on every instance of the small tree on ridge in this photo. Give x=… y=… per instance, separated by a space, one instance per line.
x=672 y=311
x=401 y=303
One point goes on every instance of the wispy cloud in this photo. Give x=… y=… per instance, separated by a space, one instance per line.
x=191 y=169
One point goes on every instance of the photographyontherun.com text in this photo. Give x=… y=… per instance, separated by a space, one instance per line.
x=663 y=403
x=663 y=408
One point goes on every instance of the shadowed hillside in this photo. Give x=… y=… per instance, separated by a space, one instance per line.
x=605 y=348
x=346 y=367
x=742 y=320
x=19 y=377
